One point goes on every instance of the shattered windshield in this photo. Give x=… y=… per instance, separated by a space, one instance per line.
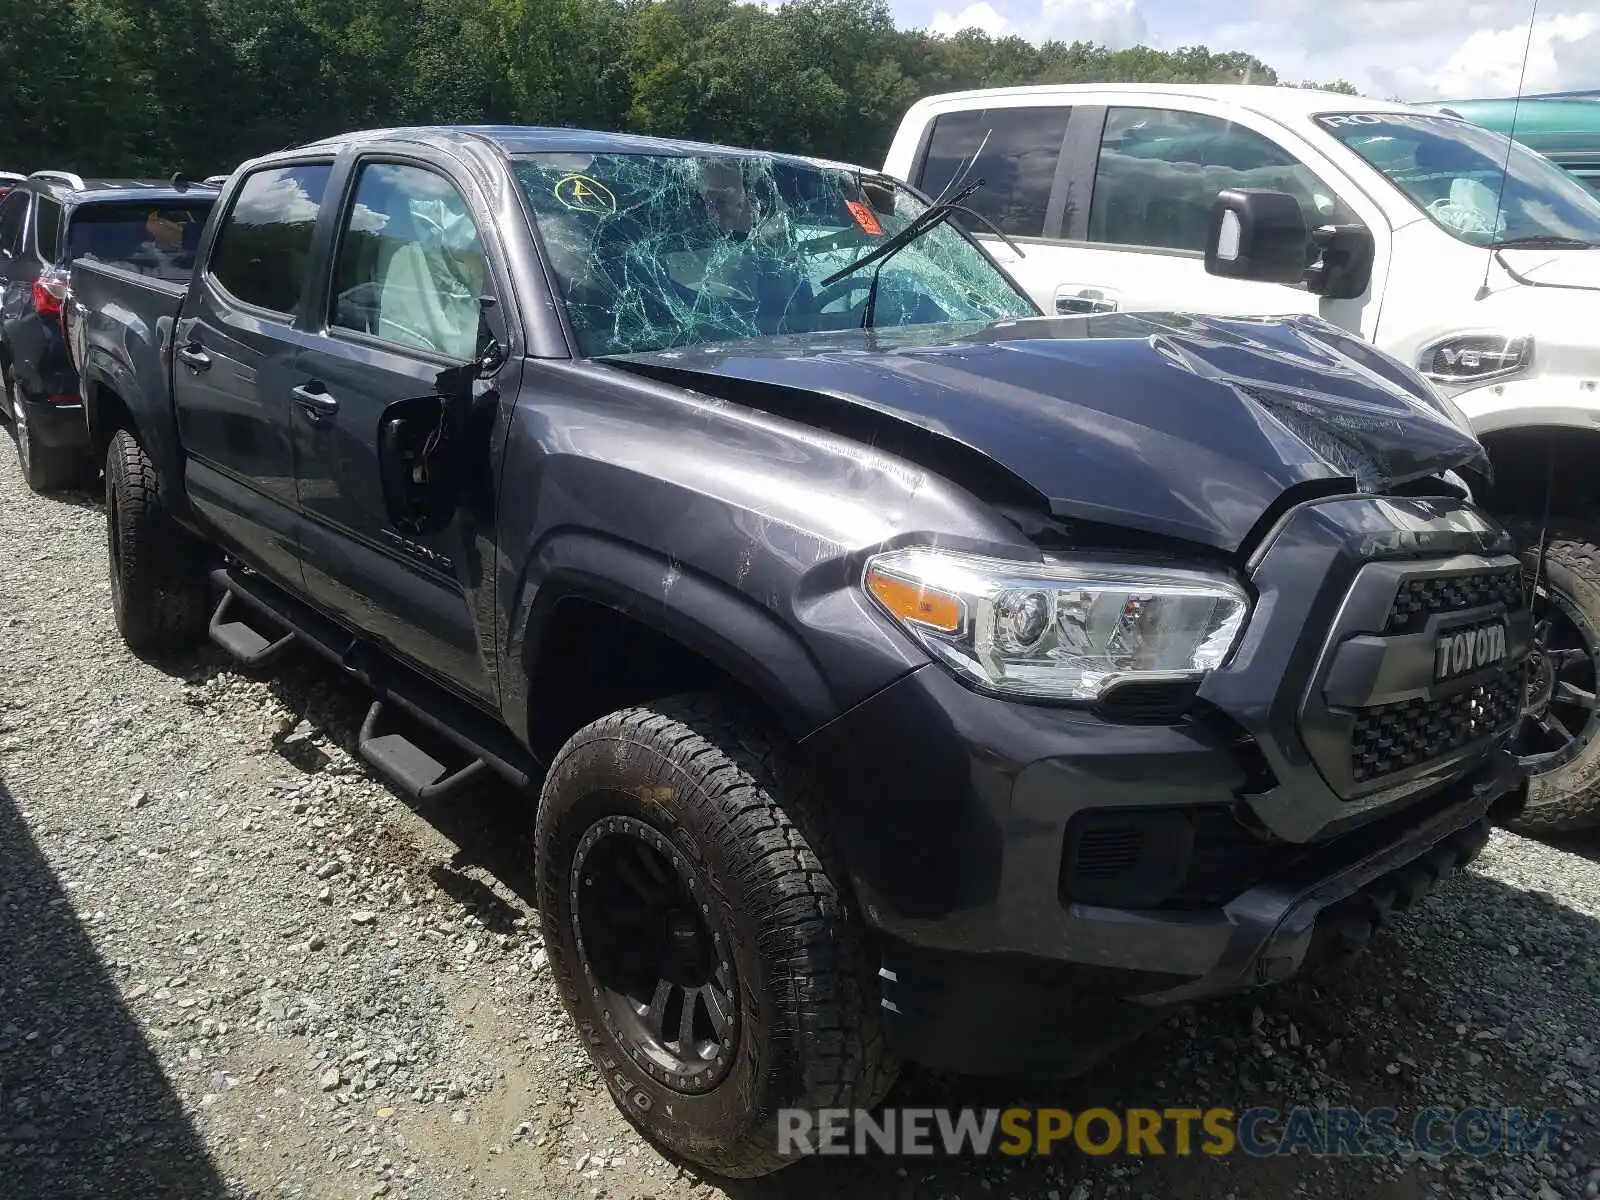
x=658 y=251
x=1477 y=185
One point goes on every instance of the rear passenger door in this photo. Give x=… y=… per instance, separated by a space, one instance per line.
x=411 y=259
x=233 y=370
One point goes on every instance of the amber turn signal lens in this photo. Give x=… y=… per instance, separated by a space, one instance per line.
x=914 y=602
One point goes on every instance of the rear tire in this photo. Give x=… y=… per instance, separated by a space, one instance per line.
x=158 y=582
x=678 y=848
x=1564 y=785
x=45 y=468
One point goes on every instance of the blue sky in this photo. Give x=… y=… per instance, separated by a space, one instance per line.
x=1416 y=49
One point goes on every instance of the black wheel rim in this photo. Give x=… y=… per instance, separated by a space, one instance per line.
x=1559 y=709
x=654 y=954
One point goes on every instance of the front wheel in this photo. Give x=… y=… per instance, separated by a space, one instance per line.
x=1559 y=738
x=702 y=935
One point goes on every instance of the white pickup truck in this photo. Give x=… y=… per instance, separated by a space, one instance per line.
x=1468 y=257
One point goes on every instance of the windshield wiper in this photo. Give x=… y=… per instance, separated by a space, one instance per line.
x=929 y=217
x=1543 y=241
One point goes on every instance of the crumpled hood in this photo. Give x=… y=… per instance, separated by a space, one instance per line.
x=1557 y=268
x=1183 y=426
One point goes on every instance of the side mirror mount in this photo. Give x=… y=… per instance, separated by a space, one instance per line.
x=491 y=350
x=416 y=465
x=1344 y=265
x=1257 y=234
x=421 y=447
x=423 y=442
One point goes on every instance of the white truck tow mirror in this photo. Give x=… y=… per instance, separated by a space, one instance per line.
x=1257 y=234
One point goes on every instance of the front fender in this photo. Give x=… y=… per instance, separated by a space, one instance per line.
x=727 y=629
x=1551 y=401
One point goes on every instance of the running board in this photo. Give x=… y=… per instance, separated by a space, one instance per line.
x=465 y=733
x=244 y=640
x=411 y=767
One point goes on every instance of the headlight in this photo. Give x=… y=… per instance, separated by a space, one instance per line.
x=1058 y=630
x=1475 y=358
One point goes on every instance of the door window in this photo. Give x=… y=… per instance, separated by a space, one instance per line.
x=13 y=216
x=1160 y=171
x=411 y=267
x=263 y=251
x=1017 y=150
x=47 y=229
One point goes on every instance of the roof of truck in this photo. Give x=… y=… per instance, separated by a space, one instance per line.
x=1273 y=100
x=533 y=139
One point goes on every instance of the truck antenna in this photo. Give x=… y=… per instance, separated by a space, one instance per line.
x=1511 y=137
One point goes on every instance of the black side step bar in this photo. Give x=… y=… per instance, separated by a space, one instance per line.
x=408 y=766
x=485 y=741
x=243 y=640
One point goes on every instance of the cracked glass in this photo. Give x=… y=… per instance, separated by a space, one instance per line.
x=652 y=252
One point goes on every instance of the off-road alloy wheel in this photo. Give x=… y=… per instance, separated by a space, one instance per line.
x=1557 y=740
x=157 y=569
x=702 y=934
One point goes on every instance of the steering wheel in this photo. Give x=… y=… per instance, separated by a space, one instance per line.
x=847 y=286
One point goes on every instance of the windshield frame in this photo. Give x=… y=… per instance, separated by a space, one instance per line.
x=1514 y=154
x=551 y=279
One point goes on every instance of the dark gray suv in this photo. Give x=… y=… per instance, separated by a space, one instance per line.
x=46 y=221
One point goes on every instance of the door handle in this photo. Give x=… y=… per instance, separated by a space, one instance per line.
x=1073 y=298
x=194 y=357
x=315 y=400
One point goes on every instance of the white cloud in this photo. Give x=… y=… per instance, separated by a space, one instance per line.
x=1418 y=49
x=1563 y=52
x=1415 y=49
x=1114 y=23
x=975 y=16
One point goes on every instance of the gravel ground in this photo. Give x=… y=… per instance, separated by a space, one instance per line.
x=232 y=963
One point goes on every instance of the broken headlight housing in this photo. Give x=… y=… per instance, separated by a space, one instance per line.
x=1059 y=630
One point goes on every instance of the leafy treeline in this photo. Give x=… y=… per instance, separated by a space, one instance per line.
x=153 y=86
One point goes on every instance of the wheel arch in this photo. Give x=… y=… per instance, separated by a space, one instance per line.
x=1526 y=457
x=630 y=625
x=105 y=411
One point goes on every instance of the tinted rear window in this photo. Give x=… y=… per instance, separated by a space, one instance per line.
x=1013 y=150
x=157 y=239
x=263 y=252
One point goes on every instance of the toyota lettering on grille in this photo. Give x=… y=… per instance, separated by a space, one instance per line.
x=1463 y=651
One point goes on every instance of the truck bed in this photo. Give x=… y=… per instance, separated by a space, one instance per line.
x=118 y=325
x=126 y=306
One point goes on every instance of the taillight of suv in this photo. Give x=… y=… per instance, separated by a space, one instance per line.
x=50 y=292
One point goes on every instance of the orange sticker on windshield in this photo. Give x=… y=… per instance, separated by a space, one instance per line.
x=865 y=218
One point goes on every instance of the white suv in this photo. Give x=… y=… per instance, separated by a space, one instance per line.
x=1469 y=257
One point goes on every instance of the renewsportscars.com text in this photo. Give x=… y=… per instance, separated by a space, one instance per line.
x=1137 y=1132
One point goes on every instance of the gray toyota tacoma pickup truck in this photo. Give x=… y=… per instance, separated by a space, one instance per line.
x=901 y=674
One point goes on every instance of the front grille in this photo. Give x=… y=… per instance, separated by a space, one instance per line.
x=1418 y=599
x=1391 y=737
